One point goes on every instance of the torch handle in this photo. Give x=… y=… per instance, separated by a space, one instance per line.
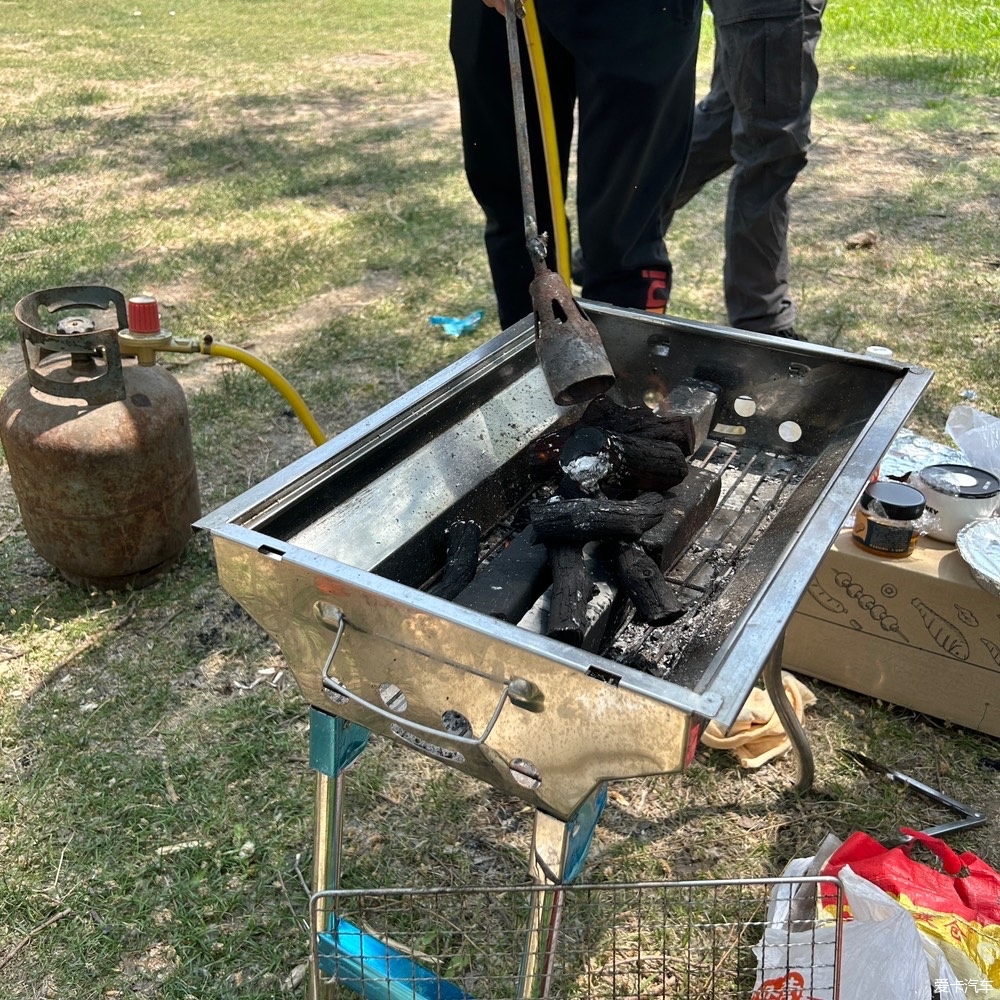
x=534 y=242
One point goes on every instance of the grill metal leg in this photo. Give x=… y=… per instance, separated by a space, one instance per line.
x=789 y=720
x=334 y=744
x=328 y=813
x=558 y=851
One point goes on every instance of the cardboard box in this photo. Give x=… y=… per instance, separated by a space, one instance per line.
x=917 y=631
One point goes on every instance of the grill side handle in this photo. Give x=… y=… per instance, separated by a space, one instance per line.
x=517 y=690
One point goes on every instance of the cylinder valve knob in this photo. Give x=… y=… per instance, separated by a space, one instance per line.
x=143 y=314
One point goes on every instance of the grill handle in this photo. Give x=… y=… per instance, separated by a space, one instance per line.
x=517 y=690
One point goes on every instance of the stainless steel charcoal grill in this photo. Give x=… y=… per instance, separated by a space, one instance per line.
x=330 y=554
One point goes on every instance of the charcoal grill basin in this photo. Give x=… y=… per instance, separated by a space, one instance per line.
x=329 y=554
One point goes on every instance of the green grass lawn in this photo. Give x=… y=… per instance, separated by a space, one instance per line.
x=946 y=46
x=288 y=178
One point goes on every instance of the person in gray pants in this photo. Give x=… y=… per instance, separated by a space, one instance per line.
x=756 y=120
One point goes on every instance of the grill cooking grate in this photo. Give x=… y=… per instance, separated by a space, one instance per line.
x=755 y=486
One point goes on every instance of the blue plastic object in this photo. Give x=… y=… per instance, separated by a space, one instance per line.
x=580 y=831
x=455 y=326
x=377 y=971
x=334 y=743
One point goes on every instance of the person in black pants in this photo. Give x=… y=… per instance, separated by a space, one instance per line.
x=631 y=69
x=756 y=120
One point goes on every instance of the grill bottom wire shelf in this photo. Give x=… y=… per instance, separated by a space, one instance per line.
x=703 y=940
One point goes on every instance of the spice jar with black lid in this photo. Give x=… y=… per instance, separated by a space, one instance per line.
x=885 y=521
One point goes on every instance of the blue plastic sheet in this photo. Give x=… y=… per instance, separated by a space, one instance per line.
x=457 y=326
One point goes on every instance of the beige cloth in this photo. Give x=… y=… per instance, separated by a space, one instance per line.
x=757 y=735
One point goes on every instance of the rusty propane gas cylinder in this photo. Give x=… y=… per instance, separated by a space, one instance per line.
x=98 y=447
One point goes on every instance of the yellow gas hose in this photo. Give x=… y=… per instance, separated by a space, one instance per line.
x=277 y=380
x=550 y=143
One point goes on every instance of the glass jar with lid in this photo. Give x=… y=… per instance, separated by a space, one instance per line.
x=886 y=517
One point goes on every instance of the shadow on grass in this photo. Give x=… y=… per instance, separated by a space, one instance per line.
x=236 y=168
x=949 y=72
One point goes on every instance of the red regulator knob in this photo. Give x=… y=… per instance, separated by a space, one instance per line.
x=143 y=314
